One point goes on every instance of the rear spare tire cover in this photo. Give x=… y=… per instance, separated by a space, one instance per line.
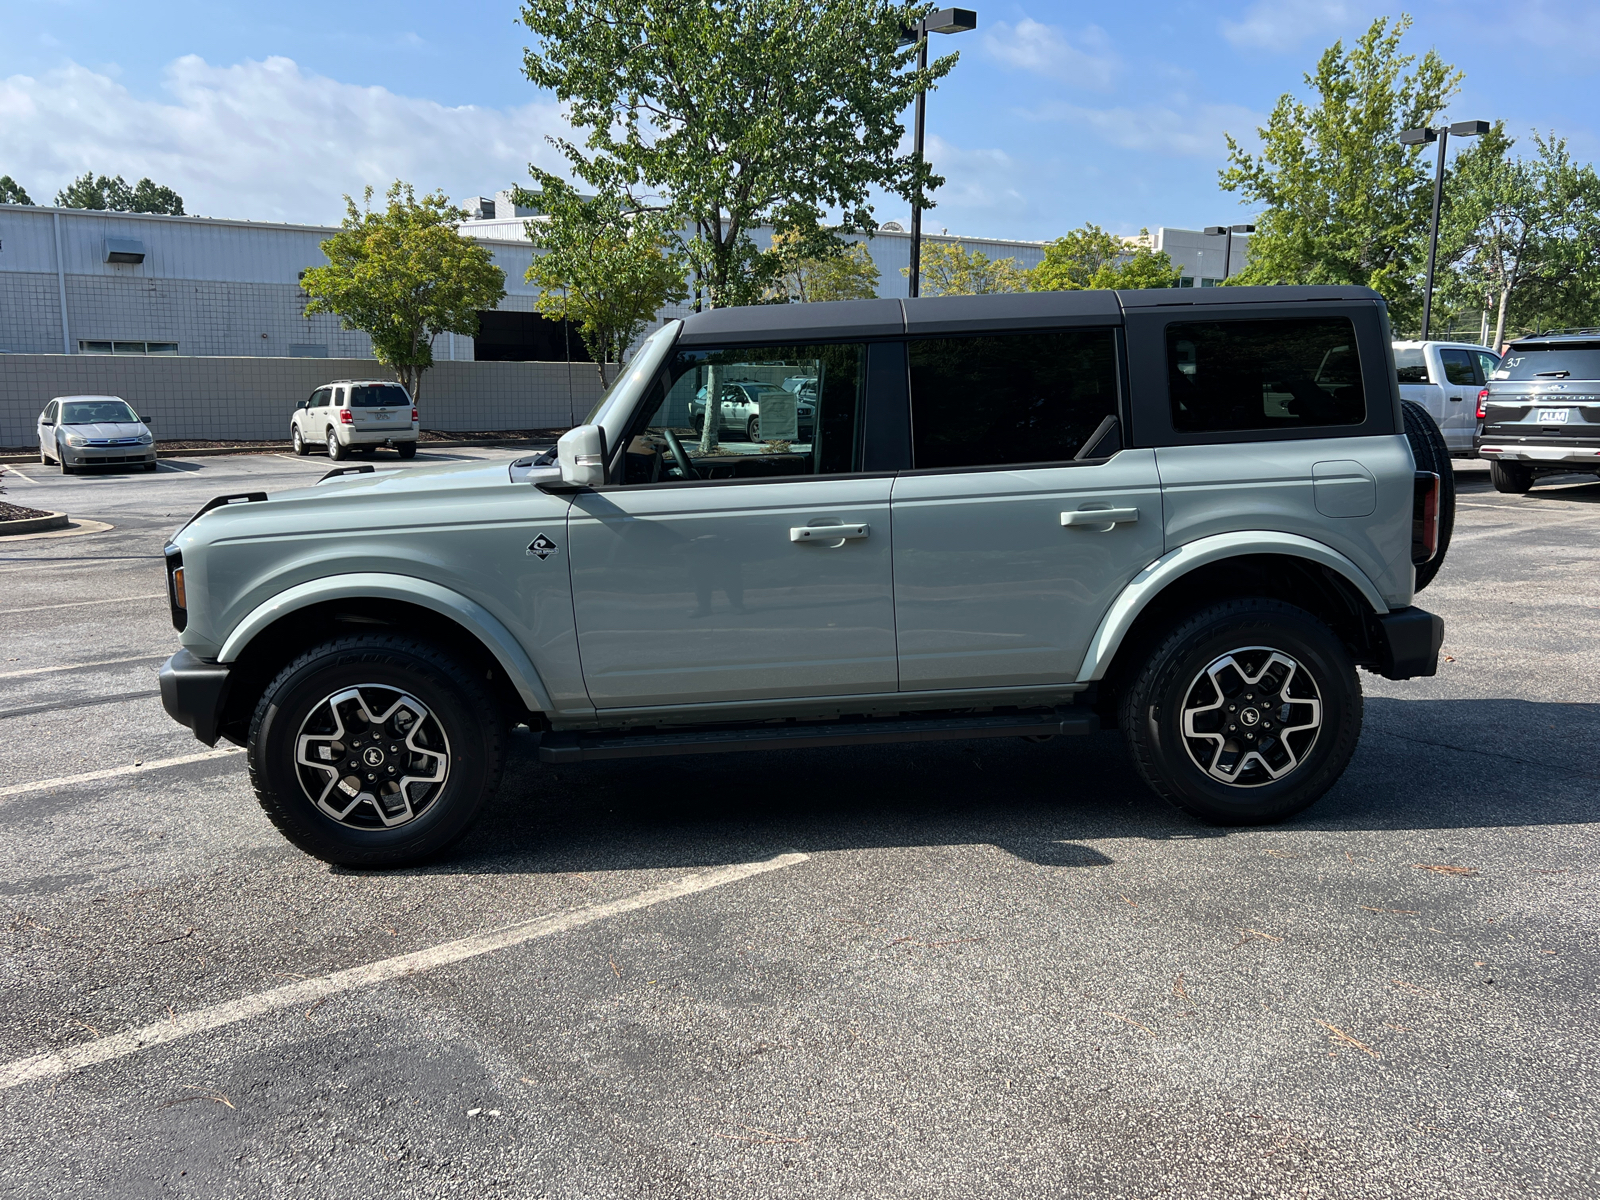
x=1431 y=454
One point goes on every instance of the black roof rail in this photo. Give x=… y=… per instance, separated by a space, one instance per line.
x=218 y=502
x=363 y=469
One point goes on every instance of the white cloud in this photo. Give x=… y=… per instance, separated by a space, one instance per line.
x=1284 y=24
x=262 y=140
x=1193 y=131
x=1048 y=50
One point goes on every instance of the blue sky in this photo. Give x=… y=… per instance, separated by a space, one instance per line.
x=1057 y=114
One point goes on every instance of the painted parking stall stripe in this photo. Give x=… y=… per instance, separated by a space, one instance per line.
x=44 y=785
x=54 y=1064
x=82 y=603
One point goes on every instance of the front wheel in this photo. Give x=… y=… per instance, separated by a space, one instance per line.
x=61 y=458
x=300 y=447
x=1244 y=714
x=753 y=430
x=375 y=751
x=1513 y=478
x=335 y=451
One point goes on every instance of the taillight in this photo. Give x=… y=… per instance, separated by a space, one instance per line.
x=1424 y=517
x=1483 y=399
x=413 y=416
x=346 y=417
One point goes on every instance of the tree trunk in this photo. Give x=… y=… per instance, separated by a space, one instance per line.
x=713 y=418
x=1500 y=321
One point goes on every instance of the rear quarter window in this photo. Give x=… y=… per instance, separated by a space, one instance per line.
x=1234 y=376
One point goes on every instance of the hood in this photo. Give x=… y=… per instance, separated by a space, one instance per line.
x=109 y=429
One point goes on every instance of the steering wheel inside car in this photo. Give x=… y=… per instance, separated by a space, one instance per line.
x=678 y=455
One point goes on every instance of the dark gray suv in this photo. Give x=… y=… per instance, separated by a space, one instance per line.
x=1540 y=413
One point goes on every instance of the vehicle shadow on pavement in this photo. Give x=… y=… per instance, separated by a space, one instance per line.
x=1572 y=489
x=1422 y=764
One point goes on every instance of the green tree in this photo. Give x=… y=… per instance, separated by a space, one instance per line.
x=114 y=195
x=823 y=268
x=1521 y=237
x=731 y=115
x=606 y=268
x=1144 y=268
x=950 y=269
x=1072 y=260
x=404 y=275
x=11 y=192
x=1345 y=203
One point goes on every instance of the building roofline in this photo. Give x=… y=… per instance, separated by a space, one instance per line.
x=188 y=220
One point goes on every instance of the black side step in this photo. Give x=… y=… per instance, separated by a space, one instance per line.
x=568 y=746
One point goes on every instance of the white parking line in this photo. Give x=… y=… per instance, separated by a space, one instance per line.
x=103 y=662
x=80 y=603
x=17 y=789
x=53 y=1064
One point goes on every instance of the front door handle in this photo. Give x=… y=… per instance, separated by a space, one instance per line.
x=827 y=533
x=1100 y=516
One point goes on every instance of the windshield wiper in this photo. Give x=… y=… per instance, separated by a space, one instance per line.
x=1551 y=374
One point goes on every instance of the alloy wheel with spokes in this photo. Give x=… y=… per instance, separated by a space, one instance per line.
x=372 y=757
x=1251 y=716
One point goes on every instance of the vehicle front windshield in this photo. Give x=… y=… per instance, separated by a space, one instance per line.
x=1554 y=362
x=644 y=363
x=94 y=412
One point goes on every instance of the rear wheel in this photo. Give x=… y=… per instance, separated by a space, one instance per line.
x=335 y=451
x=1431 y=454
x=1513 y=478
x=375 y=751
x=406 y=449
x=1245 y=714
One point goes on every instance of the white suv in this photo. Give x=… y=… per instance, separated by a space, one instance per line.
x=351 y=414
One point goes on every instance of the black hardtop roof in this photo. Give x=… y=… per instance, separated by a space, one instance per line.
x=975 y=314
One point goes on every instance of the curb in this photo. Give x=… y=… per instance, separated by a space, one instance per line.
x=55 y=520
x=286 y=448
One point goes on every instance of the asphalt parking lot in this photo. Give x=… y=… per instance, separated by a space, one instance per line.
x=954 y=970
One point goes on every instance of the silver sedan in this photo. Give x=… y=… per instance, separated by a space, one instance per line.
x=87 y=431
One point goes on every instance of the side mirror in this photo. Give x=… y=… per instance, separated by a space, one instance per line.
x=582 y=455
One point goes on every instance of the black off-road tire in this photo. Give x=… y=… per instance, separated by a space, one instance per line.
x=454 y=694
x=1431 y=454
x=1512 y=478
x=1152 y=704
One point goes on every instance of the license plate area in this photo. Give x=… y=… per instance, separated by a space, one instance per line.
x=1551 y=416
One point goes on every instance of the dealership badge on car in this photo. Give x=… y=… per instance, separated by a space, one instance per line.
x=542 y=547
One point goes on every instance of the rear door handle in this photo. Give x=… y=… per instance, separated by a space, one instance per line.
x=1100 y=516
x=1457 y=399
x=827 y=533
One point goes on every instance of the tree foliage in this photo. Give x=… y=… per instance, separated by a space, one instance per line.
x=11 y=192
x=404 y=275
x=1345 y=202
x=1520 y=238
x=1144 y=268
x=950 y=269
x=809 y=270
x=1072 y=260
x=605 y=267
x=114 y=195
x=731 y=115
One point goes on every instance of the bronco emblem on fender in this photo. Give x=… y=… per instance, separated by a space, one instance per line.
x=542 y=547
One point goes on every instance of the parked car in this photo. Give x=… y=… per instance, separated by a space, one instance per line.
x=1445 y=378
x=356 y=414
x=1540 y=413
x=94 y=431
x=1191 y=519
x=741 y=410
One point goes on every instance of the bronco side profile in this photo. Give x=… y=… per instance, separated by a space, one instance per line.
x=1191 y=515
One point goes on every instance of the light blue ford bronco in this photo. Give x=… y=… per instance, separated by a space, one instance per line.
x=1191 y=515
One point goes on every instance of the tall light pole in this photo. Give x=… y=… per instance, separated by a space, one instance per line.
x=946 y=20
x=1421 y=137
x=1227 y=253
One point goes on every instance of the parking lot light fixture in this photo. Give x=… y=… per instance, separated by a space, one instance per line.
x=1227 y=252
x=946 y=20
x=1421 y=137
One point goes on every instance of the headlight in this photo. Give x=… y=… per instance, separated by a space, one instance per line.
x=76 y=439
x=146 y=438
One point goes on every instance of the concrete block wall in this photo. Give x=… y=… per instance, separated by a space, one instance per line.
x=253 y=398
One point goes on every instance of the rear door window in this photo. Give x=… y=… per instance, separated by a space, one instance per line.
x=1411 y=364
x=1458 y=367
x=1010 y=398
x=1233 y=376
